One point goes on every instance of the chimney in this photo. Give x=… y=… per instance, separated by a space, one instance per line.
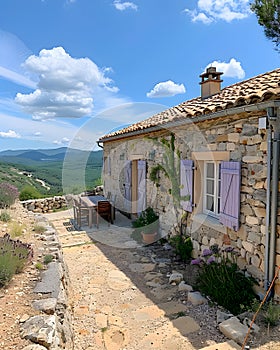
x=210 y=82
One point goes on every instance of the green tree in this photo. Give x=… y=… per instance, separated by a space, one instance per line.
x=268 y=14
x=29 y=192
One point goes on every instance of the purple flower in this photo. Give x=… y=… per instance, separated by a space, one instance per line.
x=207 y=252
x=211 y=260
x=196 y=261
x=229 y=249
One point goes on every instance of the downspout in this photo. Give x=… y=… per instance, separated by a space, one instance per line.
x=274 y=120
x=267 y=220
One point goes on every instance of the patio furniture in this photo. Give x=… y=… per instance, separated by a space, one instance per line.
x=81 y=213
x=104 y=210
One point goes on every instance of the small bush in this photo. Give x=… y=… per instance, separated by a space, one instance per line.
x=16 y=229
x=5 y=216
x=8 y=194
x=39 y=266
x=222 y=281
x=29 y=192
x=39 y=229
x=183 y=246
x=13 y=257
x=48 y=258
x=146 y=218
x=271 y=314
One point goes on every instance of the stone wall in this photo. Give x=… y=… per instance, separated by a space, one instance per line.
x=45 y=205
x=51 y=326
x=241 y=140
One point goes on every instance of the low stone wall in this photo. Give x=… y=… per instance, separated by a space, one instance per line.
x=49 y=205
x=45 y=205
x=52 y=328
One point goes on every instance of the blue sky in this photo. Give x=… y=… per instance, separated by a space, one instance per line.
x=73 y=70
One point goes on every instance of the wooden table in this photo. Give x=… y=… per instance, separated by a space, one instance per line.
x=90 y=202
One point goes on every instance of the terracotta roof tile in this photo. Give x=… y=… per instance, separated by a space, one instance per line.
x=258 y=89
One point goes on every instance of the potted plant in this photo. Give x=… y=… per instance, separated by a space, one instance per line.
x=147 y=224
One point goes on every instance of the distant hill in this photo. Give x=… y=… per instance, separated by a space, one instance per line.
x=34 y=155
x=47 y=165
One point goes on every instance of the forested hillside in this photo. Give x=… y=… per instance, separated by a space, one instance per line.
x=42 y=169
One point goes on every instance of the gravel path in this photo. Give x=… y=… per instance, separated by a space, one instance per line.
x=121 y=299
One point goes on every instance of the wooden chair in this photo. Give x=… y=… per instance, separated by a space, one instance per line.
x=104 y=210
x=80 y=213
x=112 y=199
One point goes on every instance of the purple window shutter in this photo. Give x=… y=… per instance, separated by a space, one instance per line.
x=230 y=194
x=186 y=179
x=141 y=172
x=127 y=186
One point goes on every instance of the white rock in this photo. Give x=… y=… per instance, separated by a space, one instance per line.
x=196 y=298
x=184 y=287
x=176 y=278
x=234 y=329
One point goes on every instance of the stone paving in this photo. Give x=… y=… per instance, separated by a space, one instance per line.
x=118 y=298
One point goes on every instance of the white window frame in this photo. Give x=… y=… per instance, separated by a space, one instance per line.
x=217 y=186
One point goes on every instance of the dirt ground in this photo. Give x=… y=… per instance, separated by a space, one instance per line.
x=16 y=299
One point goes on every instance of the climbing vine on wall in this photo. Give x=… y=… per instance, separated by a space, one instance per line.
x=170 y=167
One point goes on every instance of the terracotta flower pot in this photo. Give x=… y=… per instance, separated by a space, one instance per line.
x=149 y=238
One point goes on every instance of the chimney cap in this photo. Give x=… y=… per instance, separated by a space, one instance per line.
x=210 y=82
x=211 y=74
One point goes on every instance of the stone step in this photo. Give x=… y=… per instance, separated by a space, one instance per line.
x=228 y=345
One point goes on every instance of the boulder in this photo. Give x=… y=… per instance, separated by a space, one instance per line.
x=234 y=329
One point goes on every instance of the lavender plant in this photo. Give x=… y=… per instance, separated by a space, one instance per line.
x=14 y=255
x=8 y=195
x=221 y=280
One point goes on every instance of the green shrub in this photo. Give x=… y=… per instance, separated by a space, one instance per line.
x=183 y=246
x=147 y=217
x=8 y=194
x=271 y=313
x=222 y=281
x=29 y=192
x=13 y=257
x=39 y=266
x=5 y=216
x=48 y=258
x=39 y=229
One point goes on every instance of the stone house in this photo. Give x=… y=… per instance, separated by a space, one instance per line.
x=226 y=160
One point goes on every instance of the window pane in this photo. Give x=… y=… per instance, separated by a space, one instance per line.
x=210 y=203
x=210 y=170
x=210 y=186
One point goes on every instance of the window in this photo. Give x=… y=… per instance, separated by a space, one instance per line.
x=212 y=188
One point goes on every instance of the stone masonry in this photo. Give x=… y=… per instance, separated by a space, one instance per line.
x=243 y=141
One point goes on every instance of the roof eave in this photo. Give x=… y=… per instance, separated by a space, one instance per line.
x=203 y=117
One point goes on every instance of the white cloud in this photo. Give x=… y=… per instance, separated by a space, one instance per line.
x=32 y=130
x=201 y=17
x=232 y=69
x=66 y=85
x=9 y=134
x=122 y=6
x=63 y=141
x=208 y=11
x=37 y=133
x=166 y=89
